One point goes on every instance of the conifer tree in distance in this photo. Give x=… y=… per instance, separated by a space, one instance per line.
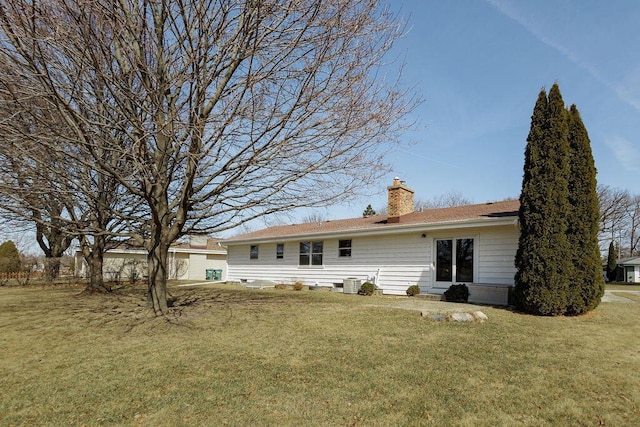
x=369 y=211
x=586 y=282
x=612 y=263
x=543 y=259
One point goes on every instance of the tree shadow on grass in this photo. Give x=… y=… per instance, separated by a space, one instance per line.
x=127 y=307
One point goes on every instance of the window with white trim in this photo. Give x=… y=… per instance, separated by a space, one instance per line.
x=344 y=248
x=280 y=251
x=253 y=252
x=311 y=253
x=454 y=260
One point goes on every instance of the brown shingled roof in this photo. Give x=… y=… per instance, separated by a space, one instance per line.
x=465 y=213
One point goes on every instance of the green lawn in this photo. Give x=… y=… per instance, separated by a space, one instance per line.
x=231 y=356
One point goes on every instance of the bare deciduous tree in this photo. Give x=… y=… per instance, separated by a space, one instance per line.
x=41 y=183
x=314 y=216
x=28 y=192
x=446 y=200
x=633 y=234
x=619 y=220
x=223 y=111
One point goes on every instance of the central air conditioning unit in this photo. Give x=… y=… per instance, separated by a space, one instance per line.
x=351 y=285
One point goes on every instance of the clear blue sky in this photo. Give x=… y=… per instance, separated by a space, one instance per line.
x=480 y=65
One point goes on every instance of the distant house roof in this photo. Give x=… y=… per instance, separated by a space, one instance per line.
x=480 y=214
x=211 y=245
x=629 y=261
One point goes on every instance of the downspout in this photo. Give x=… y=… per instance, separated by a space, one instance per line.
x=173 y=272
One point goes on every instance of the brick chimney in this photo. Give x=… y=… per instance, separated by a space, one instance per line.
x=400 y=200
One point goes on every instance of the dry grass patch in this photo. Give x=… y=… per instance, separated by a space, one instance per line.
x=622 y=287
x=231 y=356
x=628 y=295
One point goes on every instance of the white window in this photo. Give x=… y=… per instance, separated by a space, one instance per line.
x=311 y=253
x=454 y=260
x=280 y=251
x=253 y=252
x=344 y=248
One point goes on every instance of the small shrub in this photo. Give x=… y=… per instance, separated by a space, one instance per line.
x=280 y=286
x=413 y=290
x=298 y=286
x=367 y=288
x=457 y=293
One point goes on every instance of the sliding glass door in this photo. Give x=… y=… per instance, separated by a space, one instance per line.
x=454 y=260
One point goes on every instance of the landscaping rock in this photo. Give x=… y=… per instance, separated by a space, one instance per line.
x=480 y=316
x=456 y=317
x=461 y=317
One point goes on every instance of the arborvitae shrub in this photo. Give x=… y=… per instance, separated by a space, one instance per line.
x=457 y=293
x=367 y=288
x=413 y=290
x=544 y=257
x=586 y=281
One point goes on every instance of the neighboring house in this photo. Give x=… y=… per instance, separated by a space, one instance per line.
x=630 y=269
x=434 y=249
x=187 y=261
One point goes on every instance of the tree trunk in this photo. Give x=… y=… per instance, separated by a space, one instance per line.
x=51 y=267
x=157 y=285
x=54 y=246
x=96 y=280
x=94 y=256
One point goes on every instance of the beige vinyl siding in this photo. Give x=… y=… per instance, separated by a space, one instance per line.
x=124 y=266
x=218 y=262
x=496 y=256
x=194 y=266
x=179 y=267
x=402 y=260
x=181 y=264
x=197 y=266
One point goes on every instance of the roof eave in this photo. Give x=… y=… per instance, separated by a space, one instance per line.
x=395 y=229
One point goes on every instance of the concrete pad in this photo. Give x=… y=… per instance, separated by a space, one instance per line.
x=610 y=297
x=209 y=282
x=260 y=284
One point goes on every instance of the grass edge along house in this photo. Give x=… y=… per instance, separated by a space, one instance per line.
x=433 y=248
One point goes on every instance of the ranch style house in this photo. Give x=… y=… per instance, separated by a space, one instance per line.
x=434 y=248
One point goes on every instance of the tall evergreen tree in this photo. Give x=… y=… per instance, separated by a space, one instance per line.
x=612 y=263
x=543 y=259
x=586 y=281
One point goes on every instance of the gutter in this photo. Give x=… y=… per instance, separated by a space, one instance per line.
x=396 y=229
